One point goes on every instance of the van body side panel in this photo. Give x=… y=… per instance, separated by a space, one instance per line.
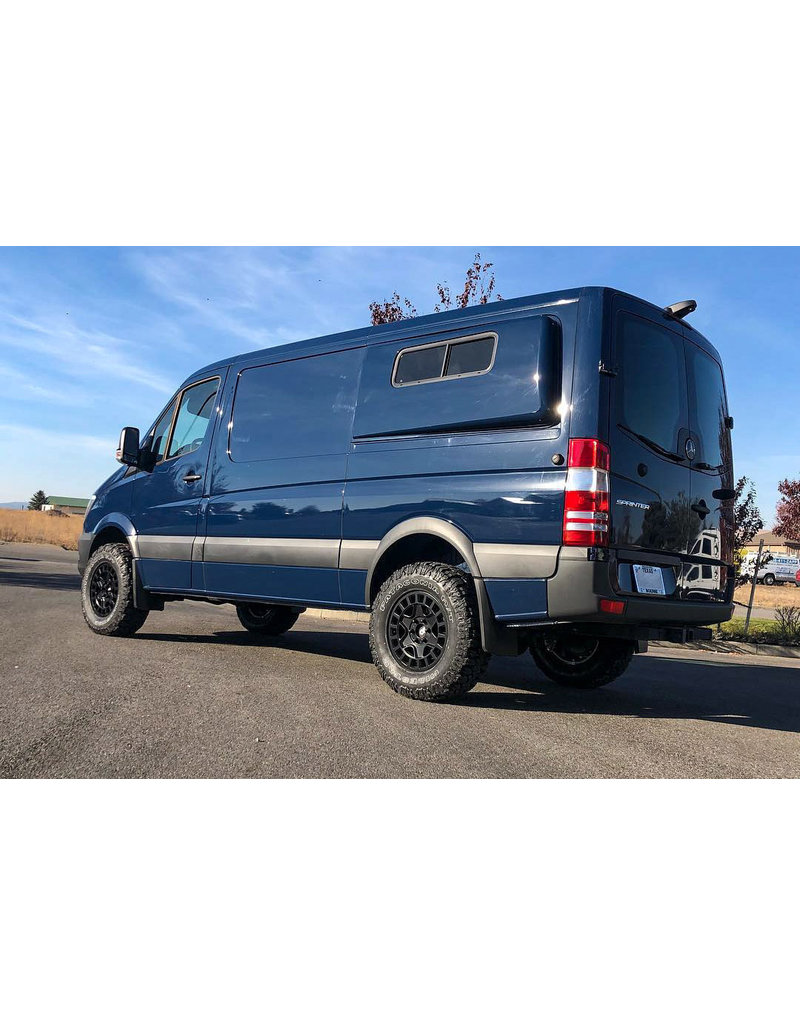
x=494 y=478
x=273 y=518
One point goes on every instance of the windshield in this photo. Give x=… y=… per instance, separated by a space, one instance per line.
x=652 y=395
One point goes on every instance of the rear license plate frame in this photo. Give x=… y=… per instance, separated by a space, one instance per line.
x=648 y=580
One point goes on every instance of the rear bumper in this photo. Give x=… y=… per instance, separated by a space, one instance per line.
x=576 y=589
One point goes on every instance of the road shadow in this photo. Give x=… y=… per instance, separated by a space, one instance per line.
x=346 y=646
x=41 y=580
x=760 y=696
x=739 y=693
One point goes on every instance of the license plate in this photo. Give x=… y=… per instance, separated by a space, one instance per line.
x=649 y=579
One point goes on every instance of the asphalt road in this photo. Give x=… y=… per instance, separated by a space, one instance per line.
x=194 y=695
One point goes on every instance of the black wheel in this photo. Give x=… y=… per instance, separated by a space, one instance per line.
x=424 y=632
x=268 y=619
x=107 y=592
x=585 y=662
x=769 y=580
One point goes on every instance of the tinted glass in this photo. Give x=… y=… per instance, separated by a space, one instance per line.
x=298 y=408
x=420 y=364
x=470 y=356
x=708 y=404
x=194 y=415
x=159 y=434
x=652 y=381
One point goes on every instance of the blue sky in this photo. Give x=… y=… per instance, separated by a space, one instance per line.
x=94 y=339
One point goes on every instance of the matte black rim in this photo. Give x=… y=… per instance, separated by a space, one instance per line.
x=416 y=631
x=103 y=590
x=574 y=651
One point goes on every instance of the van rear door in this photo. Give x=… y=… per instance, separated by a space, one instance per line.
x=711 y=477
x=648 y=433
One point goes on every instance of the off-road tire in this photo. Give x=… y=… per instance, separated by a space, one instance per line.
x=595 y=668
x=267 y=619
x=122 y=619
x=462 y=660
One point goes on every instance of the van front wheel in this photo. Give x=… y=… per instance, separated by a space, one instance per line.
x=424 y=632
x=107 y=592
x=267 y=619
x=585 y=662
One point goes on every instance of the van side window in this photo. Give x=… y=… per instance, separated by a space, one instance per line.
x=194 y=415
x=470 y=357
x=421 y=365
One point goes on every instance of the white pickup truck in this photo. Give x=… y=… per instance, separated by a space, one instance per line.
x=772 y=569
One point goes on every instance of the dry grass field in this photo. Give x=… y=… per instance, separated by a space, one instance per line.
x=783 y=596
x=40 y=528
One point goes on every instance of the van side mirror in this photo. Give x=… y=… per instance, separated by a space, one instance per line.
x=128 y=451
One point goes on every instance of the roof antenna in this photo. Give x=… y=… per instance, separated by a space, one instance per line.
x=678 y=310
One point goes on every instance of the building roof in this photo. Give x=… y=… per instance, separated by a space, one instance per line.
x=57 y=499
x=770 y=538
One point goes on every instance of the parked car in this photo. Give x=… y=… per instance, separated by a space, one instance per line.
x=772 y=568
x=549 y=474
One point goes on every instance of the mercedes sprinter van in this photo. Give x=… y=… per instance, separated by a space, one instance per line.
x=550 y=474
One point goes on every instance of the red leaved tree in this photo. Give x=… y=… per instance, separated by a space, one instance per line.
x=479 y=286
x=787 y=521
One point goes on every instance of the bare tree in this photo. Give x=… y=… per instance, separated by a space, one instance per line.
x=479 y=287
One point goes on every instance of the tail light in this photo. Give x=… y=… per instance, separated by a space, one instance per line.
x=586 y=502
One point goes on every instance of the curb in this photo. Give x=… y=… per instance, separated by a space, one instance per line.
x=733 y=647
x=335 y=613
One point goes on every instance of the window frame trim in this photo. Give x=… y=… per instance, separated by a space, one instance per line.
x=447 y=342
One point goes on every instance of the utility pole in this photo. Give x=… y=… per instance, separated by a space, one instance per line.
x=753 y=585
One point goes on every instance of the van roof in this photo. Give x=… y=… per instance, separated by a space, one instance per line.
x=472 y=315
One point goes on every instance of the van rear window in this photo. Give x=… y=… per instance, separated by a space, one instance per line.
x=710 y=410
x=651 y=387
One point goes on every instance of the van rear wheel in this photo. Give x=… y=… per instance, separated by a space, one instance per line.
x=584 y=662
x=424 y=632
x=769 y=579
x=268 y=619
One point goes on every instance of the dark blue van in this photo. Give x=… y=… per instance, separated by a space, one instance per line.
x=550 y=473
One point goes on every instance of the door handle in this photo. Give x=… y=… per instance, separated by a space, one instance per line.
x=191 y=478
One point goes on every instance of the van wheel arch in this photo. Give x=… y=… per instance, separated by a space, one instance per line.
x=110 y=535
x=431 y=539
x=419 y=540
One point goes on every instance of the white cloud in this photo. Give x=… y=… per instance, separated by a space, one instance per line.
x=78 y=352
